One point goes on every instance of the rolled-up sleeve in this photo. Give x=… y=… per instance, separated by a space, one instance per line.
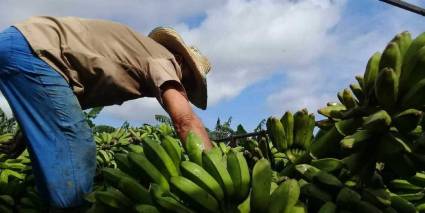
x=162 y=70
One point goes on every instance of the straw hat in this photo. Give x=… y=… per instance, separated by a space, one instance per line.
x=196 y=84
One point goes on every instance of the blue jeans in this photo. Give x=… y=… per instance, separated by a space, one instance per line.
x=59 y=140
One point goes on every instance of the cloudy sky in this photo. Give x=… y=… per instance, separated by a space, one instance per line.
x=268 y=56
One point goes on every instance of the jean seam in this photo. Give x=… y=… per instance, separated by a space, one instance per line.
x=71 y=153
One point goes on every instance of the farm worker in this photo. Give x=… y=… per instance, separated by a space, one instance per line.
x=52 y=68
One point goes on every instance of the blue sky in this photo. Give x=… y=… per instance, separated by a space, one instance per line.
x=268 y=56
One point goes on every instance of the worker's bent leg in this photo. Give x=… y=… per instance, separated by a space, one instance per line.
x=59 y=140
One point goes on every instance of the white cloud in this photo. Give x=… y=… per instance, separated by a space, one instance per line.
x=248 y=40
x=135 y=111
x=140 y=14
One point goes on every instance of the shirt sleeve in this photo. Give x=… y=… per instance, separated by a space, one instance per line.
x=162 y=70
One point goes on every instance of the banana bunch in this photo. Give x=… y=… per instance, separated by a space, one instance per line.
x=17 y=192
x=291 y=136
x=380 y=118
x=327 y=185
x=408 y=195
x=109 y=144
x=169 y=179
x=268 y=196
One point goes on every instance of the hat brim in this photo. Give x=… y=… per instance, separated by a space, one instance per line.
x=196 y=84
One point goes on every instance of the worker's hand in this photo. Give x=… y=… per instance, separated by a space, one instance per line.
x=180 y=111
x=14 y=147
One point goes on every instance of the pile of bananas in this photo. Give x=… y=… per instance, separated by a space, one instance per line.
x=17 y=192
x=375 y=134
x=328 y=186
x=291 y=136
x=379 y=119
x=124 y=140
x=167 y=177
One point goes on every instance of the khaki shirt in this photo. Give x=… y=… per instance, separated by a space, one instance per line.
x=104 y=62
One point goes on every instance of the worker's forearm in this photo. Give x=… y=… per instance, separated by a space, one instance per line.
x=192 y=123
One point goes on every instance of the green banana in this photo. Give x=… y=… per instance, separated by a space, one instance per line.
x=167 y=203
x=213 y=163
x=410 y=58
x=327 y=164
x=356 y=140
x=147 y=170
x=363 y=206
x=403 y=40
x=194 y=147
x=133 y=190
x=239 y=172
x=8 y=209
x=260 y=193
x=333 y=111
x=325 y=124
x=420 y=207
x=173 y=149
x=264 y=149
x=414 y=97
x=401 y=164
x=223 y=147
x=7 y=200
x=416 y=68
x=327 y=181
x=113 y=176
x=390 y=144
x=407 y=120
x=412 y=197
x=327 y=144
x=347 y=197
x=402 y=205
x=389 y=210
x=328 y=207
x=378 y=121
x=277 y=133
x=391 y=58
x=159 y=157
x=386 y=87
x=307 y=171
x=273 y=186
x=287 y=121
x=172 y=205
x=244 y=207
x=401 y=185
x=312 y=191
x=358 y=92
x=284 y=197
x=348 y=126
x=124 y=164
x=418 y=179
x=300 y=207
x=360 y=80
x=348 y=99
x=113 y=198
x=202 y=178
x=193 y=194
x=143 y=208
x=372 y=70
x=303 y=129
x=135 y=148
x=379 y=197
